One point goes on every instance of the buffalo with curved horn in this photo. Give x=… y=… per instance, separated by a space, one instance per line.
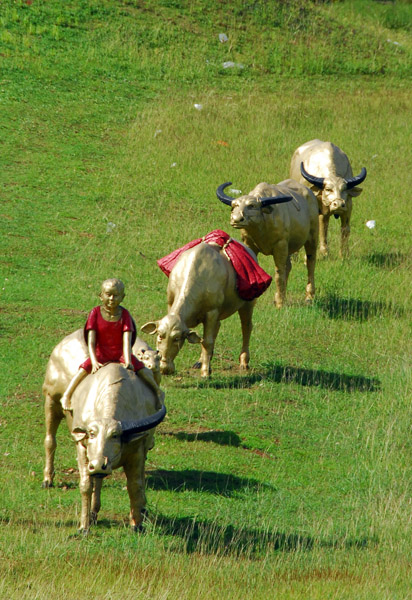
x=328 y=171
x=113 y=417
x=278 y=220
x=319 y=182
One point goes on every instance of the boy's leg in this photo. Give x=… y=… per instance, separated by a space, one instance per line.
x=147 y=376
x=65 y=399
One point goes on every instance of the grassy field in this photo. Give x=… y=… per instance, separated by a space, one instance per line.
x=293 y=481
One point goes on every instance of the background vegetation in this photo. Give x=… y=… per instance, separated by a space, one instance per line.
x=293 y=481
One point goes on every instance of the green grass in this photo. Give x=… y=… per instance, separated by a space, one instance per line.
x=292 y=481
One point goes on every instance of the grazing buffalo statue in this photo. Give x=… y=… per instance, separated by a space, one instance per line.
x=112 y=420
x=151 y=359
x=278 y=220
x=201 y=289
x=328 y=171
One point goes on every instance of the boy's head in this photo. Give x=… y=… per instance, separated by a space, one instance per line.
x=112 y=291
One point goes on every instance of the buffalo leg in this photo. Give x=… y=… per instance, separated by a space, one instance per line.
x=53 y=415
x=203 y=354
x=95 y=502
x=211 y=326
x=310 y=249
x=323 y=234
x=344 y=234
x=134 y=470
x=280 y=256
x=86 y=488
x=245 y=314
x=288 y=268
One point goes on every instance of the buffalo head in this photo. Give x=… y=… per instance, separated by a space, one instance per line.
x=247 y=210
x=335 y=189
x=171 y=335
x=104 y=438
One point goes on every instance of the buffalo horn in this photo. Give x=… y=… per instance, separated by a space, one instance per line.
x=264 y=201
x=350 y=183
x=222 y=196
x=276 y=199
x=318 y=181
x=129 y=428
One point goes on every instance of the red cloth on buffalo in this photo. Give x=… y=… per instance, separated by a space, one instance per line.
x=251 y=280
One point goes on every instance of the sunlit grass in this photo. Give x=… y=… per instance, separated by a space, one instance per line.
x=292 y=480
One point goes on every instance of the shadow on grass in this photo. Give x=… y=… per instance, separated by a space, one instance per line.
x=223 y=438
x=203 y=536
x=221 y=484
x=389 y=260
x=287 y=374
x=353 y=309
x=211 y=538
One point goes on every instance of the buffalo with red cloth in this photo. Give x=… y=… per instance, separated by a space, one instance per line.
x=210 y=278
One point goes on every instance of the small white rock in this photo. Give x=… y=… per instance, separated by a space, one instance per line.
x=229 y=64
x=198 y=106
x=223 y=37
x=370 y=224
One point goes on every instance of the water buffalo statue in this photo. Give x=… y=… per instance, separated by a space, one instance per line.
x=327 y=170
x=278 y=220
x=151 y=359
x=203 y=288
x=112 y=420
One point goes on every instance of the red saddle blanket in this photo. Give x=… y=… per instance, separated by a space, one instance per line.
x=251 y=280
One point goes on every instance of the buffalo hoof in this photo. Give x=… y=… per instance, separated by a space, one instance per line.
x=46 y=484
x=83 y=531
x=140 y=528
x=197 y=365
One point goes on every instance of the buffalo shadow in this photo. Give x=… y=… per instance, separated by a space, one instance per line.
x=387 y=260
x=221 y=484
x=211 y=538
x=206 y=536
x=287 y=374
x=223 y=438
x=354 y=309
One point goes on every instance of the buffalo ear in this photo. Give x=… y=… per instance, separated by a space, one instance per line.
x=193 y=338
x=78 y=434
x=356 y=191
x=150 y=327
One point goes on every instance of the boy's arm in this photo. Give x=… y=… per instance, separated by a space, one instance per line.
x=91 y=344
x=127 y=349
